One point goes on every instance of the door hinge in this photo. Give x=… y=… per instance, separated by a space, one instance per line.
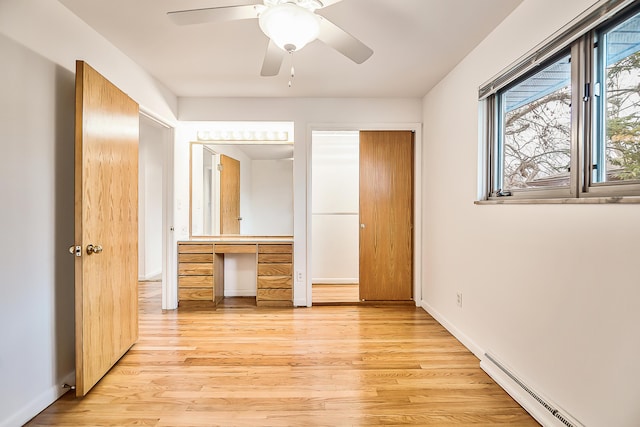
x=219 y=167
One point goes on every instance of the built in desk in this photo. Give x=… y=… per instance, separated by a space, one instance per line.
x=201 y=268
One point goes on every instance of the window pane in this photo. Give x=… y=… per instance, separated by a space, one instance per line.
x=620 y=134
x=535 y=139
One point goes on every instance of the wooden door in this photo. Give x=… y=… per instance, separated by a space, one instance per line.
x=106 y=216
x=229 y=195
x=386 y=215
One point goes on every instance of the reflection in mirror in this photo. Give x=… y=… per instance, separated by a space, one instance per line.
x=241 y=188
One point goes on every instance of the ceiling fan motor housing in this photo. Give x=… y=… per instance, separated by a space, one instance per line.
x=290 y=26
x=307 y=4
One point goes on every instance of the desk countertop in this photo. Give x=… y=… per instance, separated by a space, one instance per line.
x=236 y=238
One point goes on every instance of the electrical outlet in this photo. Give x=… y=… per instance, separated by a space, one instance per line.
x=459 y=299
x=298 y=276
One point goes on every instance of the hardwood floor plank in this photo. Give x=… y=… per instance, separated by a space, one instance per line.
x=335 y=294
x=319 y=366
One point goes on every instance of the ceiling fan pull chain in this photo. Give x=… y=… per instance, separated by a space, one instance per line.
x=293 y=73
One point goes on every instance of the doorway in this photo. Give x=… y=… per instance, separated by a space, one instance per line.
x=155 y=204
x=362 y=212
x=335 y=216
x=150 y=201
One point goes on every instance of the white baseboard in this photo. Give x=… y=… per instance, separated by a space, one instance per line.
x=39 y=403
x=300 y=302
x=465 y=340
x=528 y=402
x=336 y=281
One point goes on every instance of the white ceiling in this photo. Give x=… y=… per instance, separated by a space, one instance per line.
x=415 y=44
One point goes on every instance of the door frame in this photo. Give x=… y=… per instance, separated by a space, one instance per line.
x=417 y=198
x=169 y=242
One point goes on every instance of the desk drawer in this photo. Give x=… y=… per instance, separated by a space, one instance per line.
x=275 y=295
x=235 y=249
x=274 y=282
x=274 y=270
x=275 y=249
x=195 y=269
x=195 y=294
x=195 y=281
x=275 y=258
x=196 y=258
x=195 y=248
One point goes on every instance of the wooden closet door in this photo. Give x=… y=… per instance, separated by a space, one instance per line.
x=386 y=215
x=106 y=219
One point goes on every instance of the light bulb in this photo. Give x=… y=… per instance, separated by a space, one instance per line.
x=290 y=26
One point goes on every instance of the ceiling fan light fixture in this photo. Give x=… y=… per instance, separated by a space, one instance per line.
x=290 y=26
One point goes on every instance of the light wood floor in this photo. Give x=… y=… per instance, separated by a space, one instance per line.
x=319 y=366
x=323 y=294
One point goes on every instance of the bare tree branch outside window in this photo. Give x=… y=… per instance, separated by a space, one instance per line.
x=537 y=142
x=537 y=135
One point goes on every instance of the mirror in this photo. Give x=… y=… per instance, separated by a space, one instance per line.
x=241 y=189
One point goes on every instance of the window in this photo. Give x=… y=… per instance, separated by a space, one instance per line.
x=565 y=121
x=535 y=131
x=617 y=148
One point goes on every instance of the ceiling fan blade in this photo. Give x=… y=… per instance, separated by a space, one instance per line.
x=272 y=60
x=343 y=42
x=212 y=14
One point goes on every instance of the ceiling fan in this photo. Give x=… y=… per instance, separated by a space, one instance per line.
x=289 y=24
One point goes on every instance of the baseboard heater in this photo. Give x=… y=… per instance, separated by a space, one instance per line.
x=542 y=409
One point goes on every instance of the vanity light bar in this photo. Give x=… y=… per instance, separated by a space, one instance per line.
x=243 y=135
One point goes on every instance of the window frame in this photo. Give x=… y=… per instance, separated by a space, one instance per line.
x=578 y=40
x=498 y=141
x=597 y=109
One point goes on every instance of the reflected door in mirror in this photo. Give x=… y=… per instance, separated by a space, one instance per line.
x=229 y=195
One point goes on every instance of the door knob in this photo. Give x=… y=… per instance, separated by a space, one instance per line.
x=94 y=249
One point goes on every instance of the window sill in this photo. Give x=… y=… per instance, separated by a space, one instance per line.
x=620 y=200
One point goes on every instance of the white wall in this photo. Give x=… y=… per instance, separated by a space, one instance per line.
x=551 y=290
x=306 y=114
x=240 y=275
x=39 y=43
x=36 y=171
x=150 y=200
x=335 y=195
x=272 y=197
